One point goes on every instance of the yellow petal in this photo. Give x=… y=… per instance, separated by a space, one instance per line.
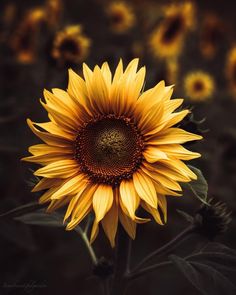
x=106 y=72
x=78 y=92
x=61 y=119
x=180 y=166
x=98 y=92
x=145 y=188
x=176 y=118
x=151 y=118
x=47 y=159
x=46 y=183
x=73 y=207
x=150 y=97
x=42 y=149
x=163 y=179
x=51 y=139
x=163 y=205
x=172 y=105
x=173 y=136
x=129 y=197
x=59 y=169
x=102 y=201
x=52 y=128
x=167 y=171
x=152 y=154
x=118 y=73
x=154 y=212
x=70 y=187
x=82 y=207
x=179 y=152
x=56 y=204
x=47 y=195
x=110 y=221
x=128 y=224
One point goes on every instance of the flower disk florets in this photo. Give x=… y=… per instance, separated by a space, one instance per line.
x=109 y=149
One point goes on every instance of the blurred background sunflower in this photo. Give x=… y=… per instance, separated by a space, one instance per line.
x=175 y=40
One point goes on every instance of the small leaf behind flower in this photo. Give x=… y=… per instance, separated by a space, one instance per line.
x=40 y=217
x=30 y=207
x=203 y=277
x=198 y=188
x=185 y=215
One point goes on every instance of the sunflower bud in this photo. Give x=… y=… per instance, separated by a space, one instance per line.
x=212 y=220
x=104 y=268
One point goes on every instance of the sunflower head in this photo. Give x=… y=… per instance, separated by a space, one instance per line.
x=212 y=220
x=167 y=39
x=121 y=17
x=199 y=86
x=110 y=148
x=24 y=41
x=211 y=35
x=54 y=9
x=70 y=45
x=230 y=69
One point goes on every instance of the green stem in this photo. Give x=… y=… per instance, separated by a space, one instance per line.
x=87 y=244
x=122 y=258
x=167 y=247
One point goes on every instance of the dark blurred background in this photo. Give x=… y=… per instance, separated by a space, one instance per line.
x=37 y=45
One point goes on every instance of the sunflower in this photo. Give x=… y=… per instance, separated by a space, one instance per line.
x=199 y=86
x=54 y=9
x=212 y=34
x=167 y=38
x=121 y=16
x=231 y=69
x=110 y=148
x=70 y=45
x=24 y=40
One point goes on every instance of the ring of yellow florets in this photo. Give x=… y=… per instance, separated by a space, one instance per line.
x=109 y=149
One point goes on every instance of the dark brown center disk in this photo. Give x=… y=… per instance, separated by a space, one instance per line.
x=198 y=86
x=173 y=27
x=109 y=149
x=69 y=48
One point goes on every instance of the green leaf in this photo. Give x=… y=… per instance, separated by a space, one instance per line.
x=203 y=277
x=40 y=217
x=197 y=188
x=21 y=210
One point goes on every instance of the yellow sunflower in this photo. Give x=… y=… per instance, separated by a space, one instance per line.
x=54 y=9
x=71 y=45
x=24 y=40
x=211 y=37
x=199 y=86
x=231 y=69
x=167 y=38
x=110 y=148
x=122 y=17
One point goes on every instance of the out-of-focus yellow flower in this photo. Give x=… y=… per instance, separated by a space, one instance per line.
x=199 y=86
x=70 y=45
x=172 y=70
x=167 y=39
x=24 y=40
x=54 y=9
x=230 y=69
x=211 y=35
x=122 y=17
x=110 y=148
